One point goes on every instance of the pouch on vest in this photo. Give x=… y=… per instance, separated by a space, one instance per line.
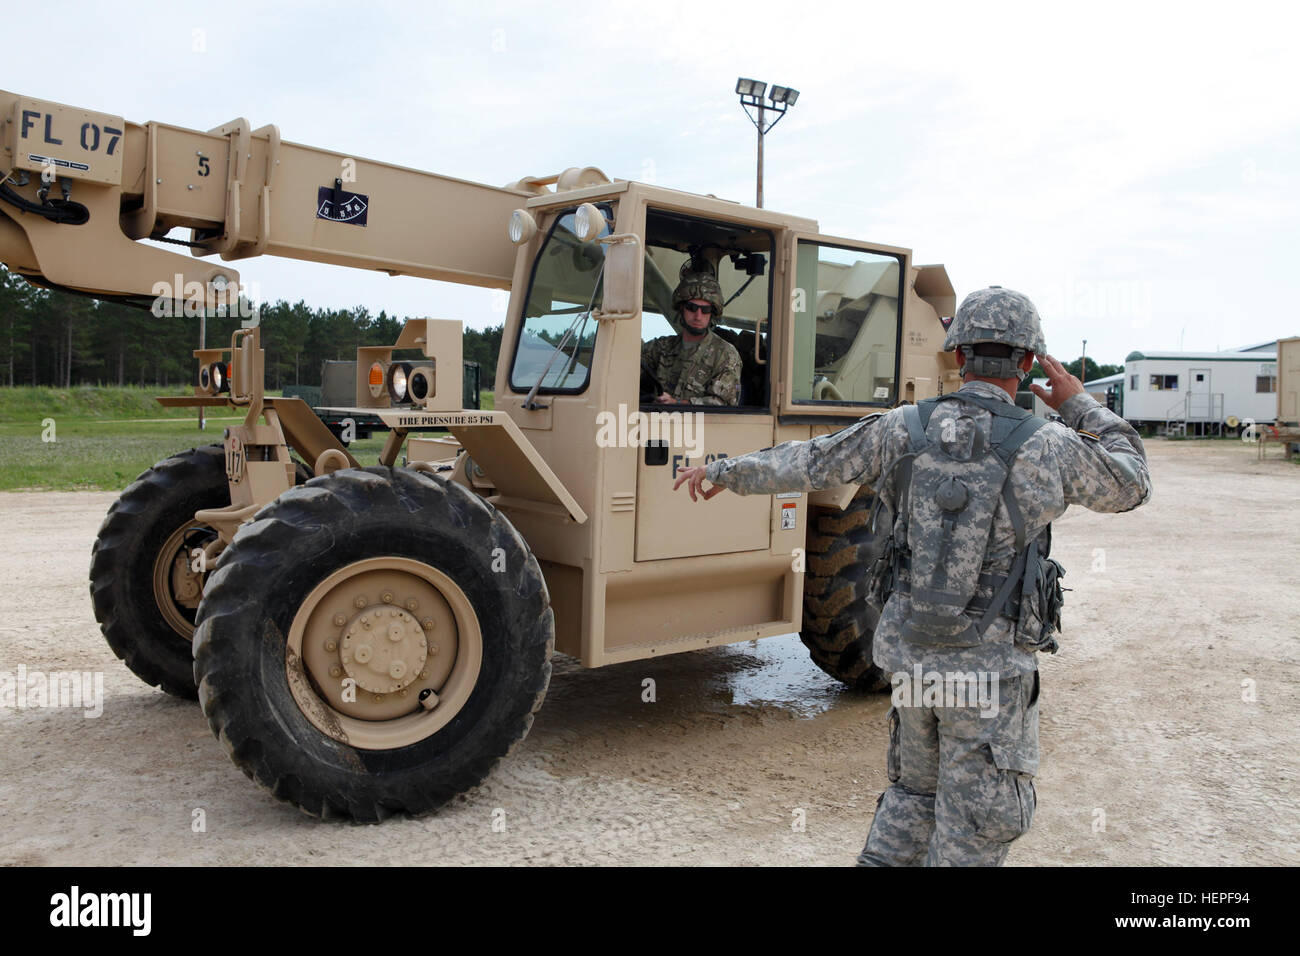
x=951 y=487
x=1041 y=598
x=884 y=569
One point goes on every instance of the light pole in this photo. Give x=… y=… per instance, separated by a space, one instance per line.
x=751 y=94
x=1083 y=364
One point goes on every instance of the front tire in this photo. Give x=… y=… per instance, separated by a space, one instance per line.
x=411 y=588
x=144 y=593
x=838 y=620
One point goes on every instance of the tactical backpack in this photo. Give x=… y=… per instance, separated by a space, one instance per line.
x=941 y=532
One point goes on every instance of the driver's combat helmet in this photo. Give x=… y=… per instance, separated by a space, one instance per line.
x=698 y=285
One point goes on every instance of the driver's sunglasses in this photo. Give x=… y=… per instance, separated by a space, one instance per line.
x=702 y=309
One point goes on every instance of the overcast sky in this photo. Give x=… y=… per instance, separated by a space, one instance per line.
x=1130 y=167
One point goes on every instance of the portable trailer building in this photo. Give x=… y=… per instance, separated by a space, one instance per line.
x=1198 y=392
x=1108 y=391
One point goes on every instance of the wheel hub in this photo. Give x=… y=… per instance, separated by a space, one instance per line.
x=383 y=649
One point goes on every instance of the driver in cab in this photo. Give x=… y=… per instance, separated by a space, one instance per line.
x=696 y=366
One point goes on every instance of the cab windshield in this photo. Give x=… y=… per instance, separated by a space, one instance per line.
x=559 y=334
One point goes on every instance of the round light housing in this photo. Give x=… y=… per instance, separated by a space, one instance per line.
x=205 y=380
x=588 y=222
x=220 y=377
x=398 y=373
x=522 y=227
x=420 y=384
x=376 y=380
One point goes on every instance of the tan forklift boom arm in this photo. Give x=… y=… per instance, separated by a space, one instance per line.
x=243 y=192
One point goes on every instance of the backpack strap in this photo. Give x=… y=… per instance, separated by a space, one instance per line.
x=917 y=420
x=1006 y=449
x=1013 y=580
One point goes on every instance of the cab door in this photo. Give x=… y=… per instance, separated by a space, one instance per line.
x=668 y=523
x=844 y=344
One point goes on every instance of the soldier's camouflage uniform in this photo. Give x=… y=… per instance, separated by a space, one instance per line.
x=962 y=785
x=703 y=373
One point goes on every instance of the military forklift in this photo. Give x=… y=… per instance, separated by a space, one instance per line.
x=369 y=639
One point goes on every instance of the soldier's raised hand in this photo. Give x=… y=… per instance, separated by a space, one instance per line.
x=1061 y=384
x=695 y=477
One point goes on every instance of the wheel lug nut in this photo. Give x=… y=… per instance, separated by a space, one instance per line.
x=412 y=604
x=335 y=672
x=386 y=597
x=339 y=620
x=330 y=646
x=360 y=602
x=433 y=649
x=428 y=625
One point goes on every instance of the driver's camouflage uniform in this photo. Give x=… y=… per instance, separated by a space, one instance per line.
x=707 y=373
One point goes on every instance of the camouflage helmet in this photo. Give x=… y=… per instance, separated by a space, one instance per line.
x=698 y=285
x=996 y=314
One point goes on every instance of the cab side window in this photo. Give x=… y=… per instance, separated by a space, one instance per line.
x=740 y=259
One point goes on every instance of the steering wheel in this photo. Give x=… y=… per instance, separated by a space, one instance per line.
x=651 y=387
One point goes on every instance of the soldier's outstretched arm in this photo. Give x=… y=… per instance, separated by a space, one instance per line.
x=849 y=456
x=1103 y=463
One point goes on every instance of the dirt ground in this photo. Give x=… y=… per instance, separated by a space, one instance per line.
x=1170 y=720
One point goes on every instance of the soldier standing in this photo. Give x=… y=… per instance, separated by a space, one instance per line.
x=696 y=367
x=971 y=483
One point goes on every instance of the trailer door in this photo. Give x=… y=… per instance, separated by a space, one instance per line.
x=1198 y=394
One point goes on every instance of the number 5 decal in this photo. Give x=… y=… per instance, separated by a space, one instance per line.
x=204 y=169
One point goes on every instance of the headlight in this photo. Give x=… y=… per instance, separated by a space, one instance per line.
x=420 y=384
x=588 y=222
x=522 y=227
x=397 y=375
x=213 y=379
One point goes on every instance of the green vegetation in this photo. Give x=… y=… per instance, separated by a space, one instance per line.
x=48 y=337
x=27 y=404
x=104 y=438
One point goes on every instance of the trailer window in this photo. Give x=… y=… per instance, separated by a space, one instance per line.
x=847 y=309
x=1164 y=383
x=1265 y=383
x=1134 y=383
x=559 y=334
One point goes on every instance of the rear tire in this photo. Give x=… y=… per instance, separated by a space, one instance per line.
x=838 y=621
x=145 y=604
x=289 y=610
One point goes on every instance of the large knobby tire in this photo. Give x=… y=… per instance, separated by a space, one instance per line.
x=144 y=596
x=838 y=621
x=425 y=577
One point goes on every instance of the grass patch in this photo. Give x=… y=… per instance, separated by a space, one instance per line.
x=27 y=404
x=127 y=433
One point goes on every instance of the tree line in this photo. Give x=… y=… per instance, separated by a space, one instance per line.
x=51 y=337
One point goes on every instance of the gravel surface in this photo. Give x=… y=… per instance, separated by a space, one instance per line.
x=1170 y=720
